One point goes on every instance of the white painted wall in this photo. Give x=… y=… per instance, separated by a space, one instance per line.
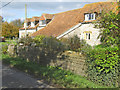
x=32 y=24
x=80 y=33
x=22 y=32
x=40 y=27
x=25 y=25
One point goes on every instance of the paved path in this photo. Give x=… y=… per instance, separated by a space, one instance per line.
x=12 y=78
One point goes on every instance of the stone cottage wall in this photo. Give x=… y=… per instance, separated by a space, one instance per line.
x=88 y=27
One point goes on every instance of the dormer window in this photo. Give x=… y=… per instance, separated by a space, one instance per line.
x=42 y=22
x=36 y=22
x=89 y=16
x=28 y=23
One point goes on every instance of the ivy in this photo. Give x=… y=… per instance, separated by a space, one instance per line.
x=103 y=63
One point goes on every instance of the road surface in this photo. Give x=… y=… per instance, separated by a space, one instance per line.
x=12 y=78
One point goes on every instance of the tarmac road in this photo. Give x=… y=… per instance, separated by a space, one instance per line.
x=12 y=78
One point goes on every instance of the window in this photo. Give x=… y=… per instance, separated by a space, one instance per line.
x=90 y=16
x=87 y=35
x=29 y=23
x=43 y=22
x=36 y=22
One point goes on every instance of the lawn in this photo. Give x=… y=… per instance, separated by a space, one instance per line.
x=54 y=75
x=8 y=42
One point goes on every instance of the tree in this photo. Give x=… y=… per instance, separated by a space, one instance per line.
x=11 y=29
x=1 y=19
x=110 y=31
x=109 y=23
x=17 y=23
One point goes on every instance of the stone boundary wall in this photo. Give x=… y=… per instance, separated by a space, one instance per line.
x=75 y=64
x=68 y=60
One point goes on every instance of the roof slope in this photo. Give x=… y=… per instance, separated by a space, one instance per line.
x=66 y=20
x=29 y=27
x=48 y=16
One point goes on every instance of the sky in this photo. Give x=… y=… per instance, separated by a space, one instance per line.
x=16 y=9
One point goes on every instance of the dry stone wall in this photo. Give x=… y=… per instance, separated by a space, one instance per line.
x=68 y=60
x=73 y=62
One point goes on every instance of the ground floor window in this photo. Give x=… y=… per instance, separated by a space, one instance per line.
x=87 y=35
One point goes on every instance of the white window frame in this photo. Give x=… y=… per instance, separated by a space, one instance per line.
x=90 y=16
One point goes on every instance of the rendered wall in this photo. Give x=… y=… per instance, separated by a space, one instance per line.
x=22 y=32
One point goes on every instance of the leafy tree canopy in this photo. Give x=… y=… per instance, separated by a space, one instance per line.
x=11 y=29
x=109 y=23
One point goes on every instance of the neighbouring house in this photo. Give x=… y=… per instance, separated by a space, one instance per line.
x=77 y=22
x=34 y=24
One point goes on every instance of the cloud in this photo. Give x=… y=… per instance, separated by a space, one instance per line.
x=78 y=5
x=8 y=14
x=17 y=9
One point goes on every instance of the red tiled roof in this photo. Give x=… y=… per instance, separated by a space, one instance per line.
x=35 y=19
x=28 y=19
x=42 y=18
x=48 y=16
x=66 y=20
x=30 y=27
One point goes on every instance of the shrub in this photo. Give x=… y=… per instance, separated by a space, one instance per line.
x=74 y=42
x=4 y=48
x=52 y=45
x=84 y=47
x=38 y=39
x=103 y=65
x=26 y=41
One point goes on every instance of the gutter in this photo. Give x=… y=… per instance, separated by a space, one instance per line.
x=68 y=31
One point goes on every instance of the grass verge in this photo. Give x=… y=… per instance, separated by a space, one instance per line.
x=50 y=74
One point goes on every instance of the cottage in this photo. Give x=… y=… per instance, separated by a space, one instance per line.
x=76 y=22
x=34 y=24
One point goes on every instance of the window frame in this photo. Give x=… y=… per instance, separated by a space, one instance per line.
x=90 y=16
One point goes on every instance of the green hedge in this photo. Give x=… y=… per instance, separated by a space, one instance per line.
x=103 y=65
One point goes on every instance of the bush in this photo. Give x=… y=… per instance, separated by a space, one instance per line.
x=103 y=65
x=4 y=48
x=84 y=47
x=74 y=42
x=26 y=41
x=39 y=39
x=52 y=45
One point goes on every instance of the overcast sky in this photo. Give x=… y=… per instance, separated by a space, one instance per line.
x=16 y=9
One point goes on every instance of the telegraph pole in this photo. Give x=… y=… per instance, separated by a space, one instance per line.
x=25 y=20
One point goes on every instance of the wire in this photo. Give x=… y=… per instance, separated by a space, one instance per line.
x=6 y=4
